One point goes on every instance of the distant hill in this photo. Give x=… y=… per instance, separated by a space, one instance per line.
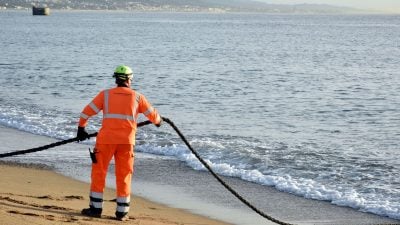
x=176 y=5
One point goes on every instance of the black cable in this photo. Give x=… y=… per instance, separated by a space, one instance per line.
x=41 y=148
x=230 y=189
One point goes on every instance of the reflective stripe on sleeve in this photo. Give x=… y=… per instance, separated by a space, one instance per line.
x=94 y=107
x=149 y=110
x=136 y=103
x=137 y=97
x=84 y=116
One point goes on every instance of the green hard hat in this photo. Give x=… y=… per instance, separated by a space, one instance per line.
x=123 y=72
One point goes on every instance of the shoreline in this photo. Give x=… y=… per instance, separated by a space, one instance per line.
x=23 y=198
x=170 y=185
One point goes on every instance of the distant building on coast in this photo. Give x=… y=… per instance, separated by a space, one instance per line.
x=40 y=11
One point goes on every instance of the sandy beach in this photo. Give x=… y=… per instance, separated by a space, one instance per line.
x=34 y=194
x=41 y=196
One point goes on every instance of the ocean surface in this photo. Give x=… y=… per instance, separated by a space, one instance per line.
x=307 y=104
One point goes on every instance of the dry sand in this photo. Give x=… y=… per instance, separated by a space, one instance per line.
x=39 y=196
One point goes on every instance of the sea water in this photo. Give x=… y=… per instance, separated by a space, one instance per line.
x=307 y=104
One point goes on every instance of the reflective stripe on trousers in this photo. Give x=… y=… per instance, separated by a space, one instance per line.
x=96 y=199
x=123 y=204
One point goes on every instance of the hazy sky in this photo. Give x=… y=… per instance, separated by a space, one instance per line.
x=393 y=5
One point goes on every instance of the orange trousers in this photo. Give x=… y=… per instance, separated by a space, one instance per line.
x=124 y=158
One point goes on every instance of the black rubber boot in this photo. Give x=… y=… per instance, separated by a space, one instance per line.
x=122 y=216
x=92 y=212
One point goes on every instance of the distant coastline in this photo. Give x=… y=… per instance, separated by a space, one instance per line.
x=29 y=10
x=216 y=6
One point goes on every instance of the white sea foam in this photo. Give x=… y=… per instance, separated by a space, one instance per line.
x=307 y=188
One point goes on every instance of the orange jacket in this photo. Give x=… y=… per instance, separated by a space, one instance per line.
x=120 y=106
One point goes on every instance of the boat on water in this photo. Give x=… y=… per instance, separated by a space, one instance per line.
x=40 y=11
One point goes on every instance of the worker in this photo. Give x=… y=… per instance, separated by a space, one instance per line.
x=116 y=138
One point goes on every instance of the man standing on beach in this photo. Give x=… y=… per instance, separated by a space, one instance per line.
x=121 y=106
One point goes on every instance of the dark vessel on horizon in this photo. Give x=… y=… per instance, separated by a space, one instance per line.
x=40 y=11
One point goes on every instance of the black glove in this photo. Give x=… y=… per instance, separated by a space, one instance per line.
x=82 y=134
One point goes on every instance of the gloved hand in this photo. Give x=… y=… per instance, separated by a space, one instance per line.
x=160 y=123
x=82 y=134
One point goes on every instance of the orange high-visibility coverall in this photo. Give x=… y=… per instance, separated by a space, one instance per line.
x=120 y=106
